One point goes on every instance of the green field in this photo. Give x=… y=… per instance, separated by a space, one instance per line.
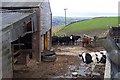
x=57 y=29
x=90 y=24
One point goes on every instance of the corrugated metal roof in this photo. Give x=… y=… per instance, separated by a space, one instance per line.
x=12 y=17
x=20 y=4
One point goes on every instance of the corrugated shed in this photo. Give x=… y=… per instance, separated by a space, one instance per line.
x=45 y=12
x=13 y=27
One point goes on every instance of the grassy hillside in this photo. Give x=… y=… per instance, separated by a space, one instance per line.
x=57 y=29
x=90 y=24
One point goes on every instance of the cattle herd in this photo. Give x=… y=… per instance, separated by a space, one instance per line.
x=65 y=40
x=87 y=58
x=95 y=57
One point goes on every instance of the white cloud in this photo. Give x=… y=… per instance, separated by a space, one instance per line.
x=84 y=6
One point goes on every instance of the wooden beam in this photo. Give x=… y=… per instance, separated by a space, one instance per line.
x=16 y=52
x=19 y=44
x=27 y=33
x=15 y=8
x=88 y=36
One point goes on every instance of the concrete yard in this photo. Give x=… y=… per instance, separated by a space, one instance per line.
x=67 y=62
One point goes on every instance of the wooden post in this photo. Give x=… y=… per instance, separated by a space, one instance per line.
x=46 y=41
x=37 y=38
x=50 y=42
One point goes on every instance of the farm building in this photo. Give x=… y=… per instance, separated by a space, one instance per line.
x=112 y=45
x=25 y=33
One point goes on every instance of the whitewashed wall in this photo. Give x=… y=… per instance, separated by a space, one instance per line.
x=7 y=71
x=45 y=17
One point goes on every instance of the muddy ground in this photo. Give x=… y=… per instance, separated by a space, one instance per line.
x=67 y=62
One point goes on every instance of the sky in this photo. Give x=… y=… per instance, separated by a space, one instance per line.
x=84 y=8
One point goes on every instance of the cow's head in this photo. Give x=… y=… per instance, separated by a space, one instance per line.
x=81 y=54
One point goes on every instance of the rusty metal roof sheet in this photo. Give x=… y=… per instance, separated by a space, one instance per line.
x=12 y=17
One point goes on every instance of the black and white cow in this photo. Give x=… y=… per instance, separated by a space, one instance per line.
x=74 y=38
x=95 y=57
x=88 y=57
x=103 y=58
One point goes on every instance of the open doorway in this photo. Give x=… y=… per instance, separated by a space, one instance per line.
x=22 y=47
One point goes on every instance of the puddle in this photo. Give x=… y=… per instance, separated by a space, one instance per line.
x=59 y=77
x=81 y=72
x=72 y=67
x=96 y=74
x=67 y=76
